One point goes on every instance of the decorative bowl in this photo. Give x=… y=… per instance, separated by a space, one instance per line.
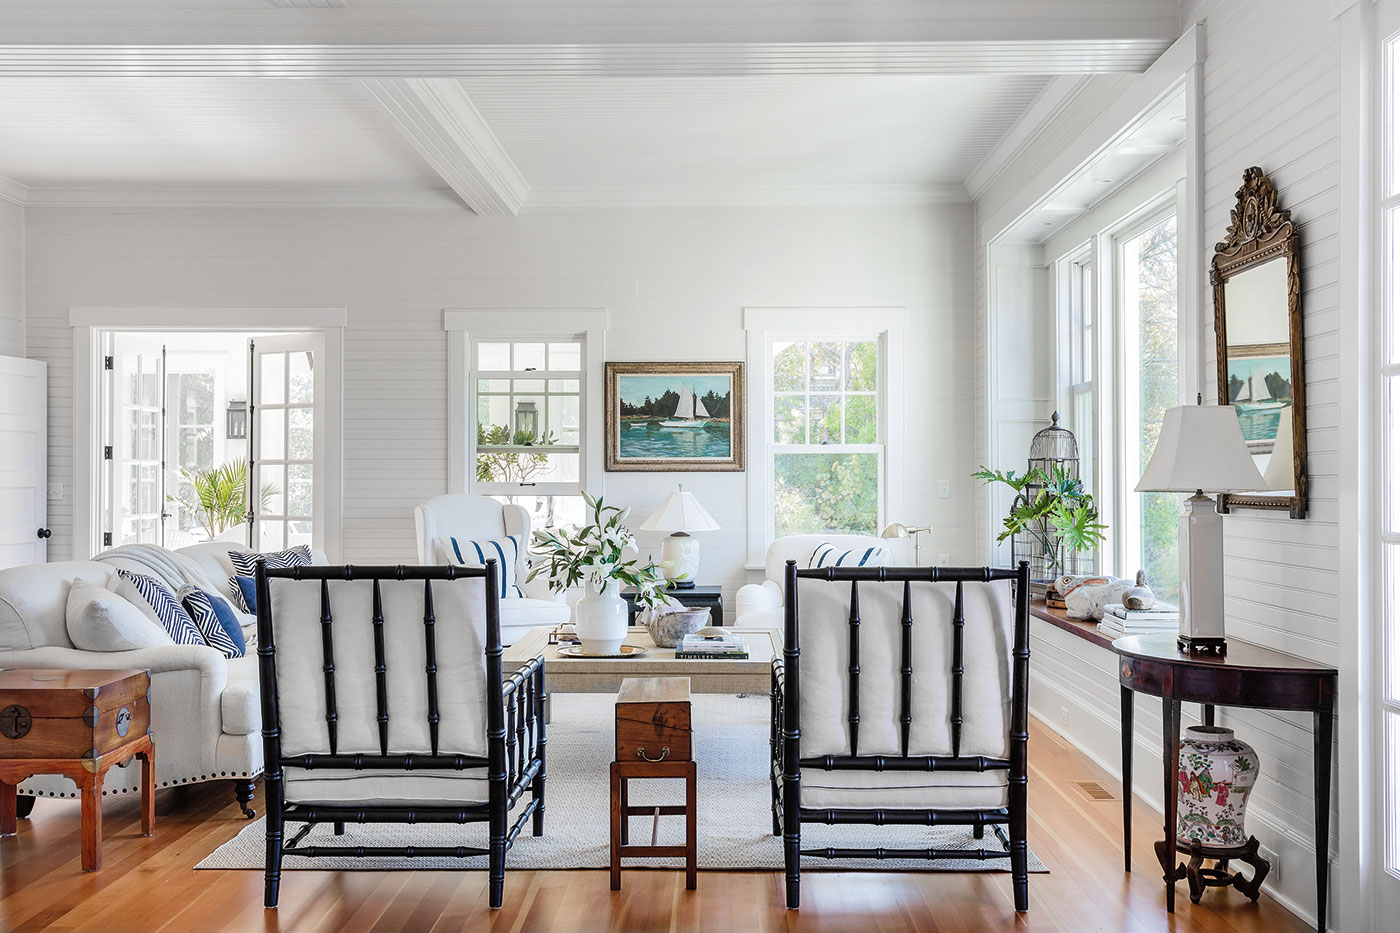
x=668 y=627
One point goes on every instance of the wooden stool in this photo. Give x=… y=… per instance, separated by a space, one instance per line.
x=78 y=724
x=653 y=741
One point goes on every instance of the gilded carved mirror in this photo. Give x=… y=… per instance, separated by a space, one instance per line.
x=1259 y=343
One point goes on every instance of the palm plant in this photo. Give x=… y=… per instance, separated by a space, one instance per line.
x=221 y=495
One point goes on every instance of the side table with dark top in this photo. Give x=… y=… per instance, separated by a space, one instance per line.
x=1247 y=676
x=695 y=597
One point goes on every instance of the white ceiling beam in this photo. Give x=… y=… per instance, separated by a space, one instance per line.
x=674 y=59
x=312 y=4
x=439 y=120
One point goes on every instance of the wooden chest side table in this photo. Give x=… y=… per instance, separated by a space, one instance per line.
x=653 y=741
x=77 y=724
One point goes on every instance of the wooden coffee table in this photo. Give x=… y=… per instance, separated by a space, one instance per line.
x=605 y=675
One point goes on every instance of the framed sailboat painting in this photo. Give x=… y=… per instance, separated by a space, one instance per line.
x=675 y=417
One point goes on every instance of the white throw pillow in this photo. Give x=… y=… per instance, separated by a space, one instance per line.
x=100 y=620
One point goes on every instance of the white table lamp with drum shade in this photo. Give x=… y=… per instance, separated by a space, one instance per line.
x=680 y=513
x=1200 y=450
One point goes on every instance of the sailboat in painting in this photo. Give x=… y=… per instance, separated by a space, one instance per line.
x=690 y=411
x=1254 y=395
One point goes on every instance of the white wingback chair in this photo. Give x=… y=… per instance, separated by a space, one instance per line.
x=480 y=518
x=760 y=605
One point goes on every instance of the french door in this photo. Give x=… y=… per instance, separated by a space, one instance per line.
x=134 y=446
x=288 y=441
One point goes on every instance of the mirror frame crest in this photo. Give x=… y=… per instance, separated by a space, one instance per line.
x=1260 y=231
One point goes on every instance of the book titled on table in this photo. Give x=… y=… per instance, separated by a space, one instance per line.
x=682 y=655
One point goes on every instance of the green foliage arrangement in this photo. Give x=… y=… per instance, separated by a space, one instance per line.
x=509 y=466
x=596 y=553
x=1059 y=515
x=221 y=496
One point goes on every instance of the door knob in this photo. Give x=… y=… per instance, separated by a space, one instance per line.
x=44 y=533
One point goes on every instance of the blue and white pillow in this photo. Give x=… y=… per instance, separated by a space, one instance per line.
x=245 y=564
x=826 y=555
x=214 y=618
x=506 y=553
x=160 y=605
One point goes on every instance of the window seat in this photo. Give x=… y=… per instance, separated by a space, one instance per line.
x=1086 y=629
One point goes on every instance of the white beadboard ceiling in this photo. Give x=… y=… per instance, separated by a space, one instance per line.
x=147 y=131
x=771 y=132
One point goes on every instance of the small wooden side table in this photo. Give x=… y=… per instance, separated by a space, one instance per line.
x=77 y=724
x=653 y=741
x=1249 y=676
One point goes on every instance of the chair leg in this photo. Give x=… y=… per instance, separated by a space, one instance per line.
x=273 y=873
x=340 y=829
x=537 y=793
x=24 y=806
x=497 y=855
x=243 y=793
x=978 y=830
x=1019 y=861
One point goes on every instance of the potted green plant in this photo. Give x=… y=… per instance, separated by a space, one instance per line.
x=220 y=497
x=1053 y=510
x=595 y=555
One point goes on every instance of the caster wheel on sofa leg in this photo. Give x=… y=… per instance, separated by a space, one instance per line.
x=243 y=793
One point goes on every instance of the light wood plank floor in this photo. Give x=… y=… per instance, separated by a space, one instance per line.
x=150 y=884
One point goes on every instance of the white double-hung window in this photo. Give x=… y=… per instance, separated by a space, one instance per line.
x=825 y=430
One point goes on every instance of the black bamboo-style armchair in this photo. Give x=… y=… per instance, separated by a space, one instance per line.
x=900 y=699
x=383 y=702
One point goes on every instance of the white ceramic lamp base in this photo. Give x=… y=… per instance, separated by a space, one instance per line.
x=681 y=555
x=1202 y=567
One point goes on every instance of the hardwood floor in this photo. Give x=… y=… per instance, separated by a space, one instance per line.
x=150 y=884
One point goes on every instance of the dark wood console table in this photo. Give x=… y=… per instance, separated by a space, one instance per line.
x=1248 y=676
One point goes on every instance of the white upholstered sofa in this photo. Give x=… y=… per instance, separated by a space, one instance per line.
x=479 y=518
x=205 y=716
x=760 y=605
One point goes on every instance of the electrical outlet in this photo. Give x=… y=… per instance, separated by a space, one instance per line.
x=1270 y=856
x=1064 y=715
x=945 y=489
x=55 y=492
x=943 y=560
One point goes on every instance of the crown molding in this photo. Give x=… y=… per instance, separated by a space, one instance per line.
x=219 y=59
x=551 y=200
x=13 y=191
x=439 y=120
x=1047 y=107
x=246 y=196
x=312 y=4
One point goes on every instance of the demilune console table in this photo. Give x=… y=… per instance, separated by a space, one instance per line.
x=1248 y=676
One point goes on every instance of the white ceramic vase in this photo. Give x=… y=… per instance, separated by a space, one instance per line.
x=600 y=619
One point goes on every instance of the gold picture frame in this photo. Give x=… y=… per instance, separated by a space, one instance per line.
x=674 y=417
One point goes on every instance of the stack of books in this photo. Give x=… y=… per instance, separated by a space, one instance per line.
x=726 y=647
x=1118 y=621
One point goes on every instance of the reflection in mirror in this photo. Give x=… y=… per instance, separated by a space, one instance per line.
x=1258 y=371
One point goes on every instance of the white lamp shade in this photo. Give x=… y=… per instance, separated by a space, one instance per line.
x=680 y=511
x=1201 y=448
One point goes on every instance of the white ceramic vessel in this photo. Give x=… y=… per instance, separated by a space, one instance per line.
x=1216 y=774
x=600 y=619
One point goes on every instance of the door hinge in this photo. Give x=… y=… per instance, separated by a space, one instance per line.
x=106 y=539
x=107 y=363
x=107 y=452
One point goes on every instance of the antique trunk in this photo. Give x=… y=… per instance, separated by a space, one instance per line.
x=653 y=719
x=71 y=714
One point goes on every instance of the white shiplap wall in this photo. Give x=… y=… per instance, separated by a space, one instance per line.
x=674 y=283
x=11 y=278
x=1282 y=576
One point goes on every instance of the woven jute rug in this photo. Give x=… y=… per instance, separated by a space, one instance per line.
x=731 y=751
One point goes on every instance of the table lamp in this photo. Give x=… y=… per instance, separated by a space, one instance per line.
x=896 y=530
x=680 y=513
x=1201 y=449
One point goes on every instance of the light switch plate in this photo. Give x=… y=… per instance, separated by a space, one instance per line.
x=945 y=489
x=55 y=491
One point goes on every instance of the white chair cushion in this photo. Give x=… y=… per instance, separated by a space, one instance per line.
x=532 y=612
x=34 y=602
x=800 y=548
x=907 y=790
x=763 y=618
x=240 y=705
x=825 y=610
x=459 y=608
x=100 y=620
x=429 y=788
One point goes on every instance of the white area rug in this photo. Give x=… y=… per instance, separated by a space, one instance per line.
x=731 y=750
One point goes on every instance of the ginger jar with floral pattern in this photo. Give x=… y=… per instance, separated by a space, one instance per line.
x=1215 y=775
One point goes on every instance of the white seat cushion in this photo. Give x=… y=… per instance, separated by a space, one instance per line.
x=906 y=790
x=100 y=620
x=532 y=612
x=430 y=788
x=763 y=618
x=240 y=705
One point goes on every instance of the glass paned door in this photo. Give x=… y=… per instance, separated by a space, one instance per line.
x=286 y=440
x=137 y=442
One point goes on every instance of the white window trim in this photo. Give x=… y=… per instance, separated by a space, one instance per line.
x=590 y=324
x=762 y=326
x=90 y=323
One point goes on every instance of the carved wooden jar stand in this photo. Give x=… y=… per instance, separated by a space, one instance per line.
x=1198 y=877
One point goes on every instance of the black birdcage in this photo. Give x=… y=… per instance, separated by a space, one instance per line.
x=1053 y=448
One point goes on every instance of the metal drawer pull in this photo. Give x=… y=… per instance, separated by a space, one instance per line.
x=642 y=753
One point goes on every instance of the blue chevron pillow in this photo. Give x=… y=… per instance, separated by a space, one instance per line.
x=245 y=565
x=214 y=618
x=506 y=553
x=160 y=605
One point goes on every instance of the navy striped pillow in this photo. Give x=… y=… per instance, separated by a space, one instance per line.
x=826 y=555
x=222 y=633
x=505 y=552
x=245 y=565
x=167 y=608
